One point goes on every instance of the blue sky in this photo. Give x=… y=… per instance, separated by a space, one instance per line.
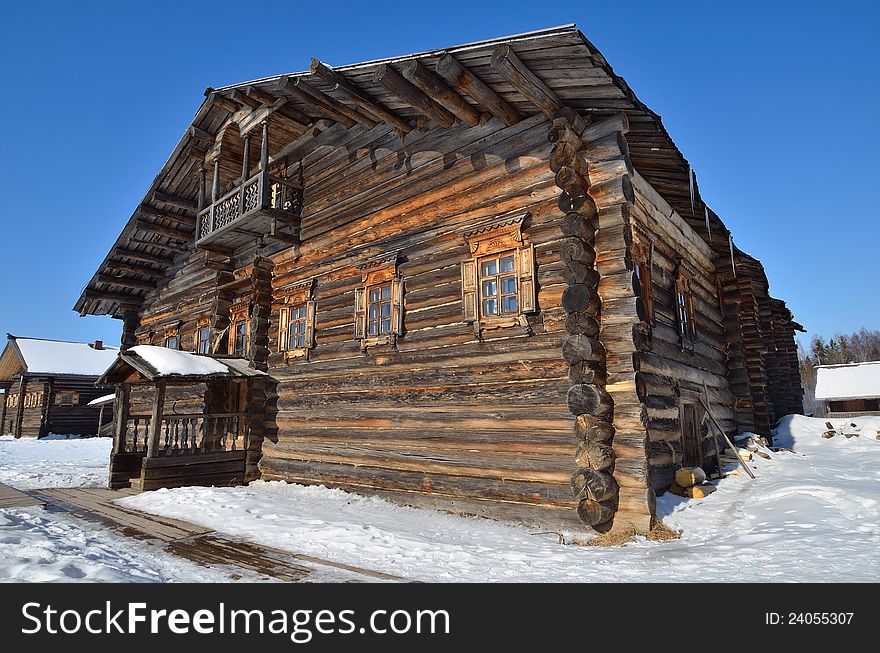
x=774 y=104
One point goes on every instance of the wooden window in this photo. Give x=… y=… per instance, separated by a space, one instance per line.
x=239 y=338
x=296 y=320
x=239 y=330
x=684 y=309
x=643 y=255
x=499 y=294
x=379 y=309
x=203 y=340
x=378 y=303
x=837 y=406
x=172 y=342
x=65 y=398
x=498 y=281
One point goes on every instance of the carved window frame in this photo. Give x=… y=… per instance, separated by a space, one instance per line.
x=375 y=273
x=486 y=240
x=239 y=313
x=297 y=296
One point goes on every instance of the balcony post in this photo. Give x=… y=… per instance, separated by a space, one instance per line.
x=264 y=166
x=202 y=182
x=156 y=420
x=245 y=172
x=215 y=191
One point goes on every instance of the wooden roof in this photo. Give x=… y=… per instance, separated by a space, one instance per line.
x=130 y=362
x=301 y=106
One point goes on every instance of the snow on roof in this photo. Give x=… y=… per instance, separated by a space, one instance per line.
x=851 y=381
x=59 y=357
x=173 y=361
x=106 y=399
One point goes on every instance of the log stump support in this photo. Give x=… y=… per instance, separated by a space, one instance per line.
x=593 y=171
x=261 y=392
x=592 y=482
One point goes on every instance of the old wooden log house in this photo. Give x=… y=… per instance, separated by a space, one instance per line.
x=49 y=386
x=481 y=278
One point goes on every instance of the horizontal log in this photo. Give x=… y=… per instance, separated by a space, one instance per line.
x=170 y=232
x=593 y=513
x=398 y=85
x=508 y=65
x=586 y=399
x=579 y=225
x=580 y=298
x=580 y=348
x=590 y=484
x=595 y=455
x=437 y=90
x=146 y=257
x=581 y=324
x=575 y=249
x=463 y=80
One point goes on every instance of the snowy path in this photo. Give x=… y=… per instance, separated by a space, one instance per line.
x=813 y=515
x=54 y=462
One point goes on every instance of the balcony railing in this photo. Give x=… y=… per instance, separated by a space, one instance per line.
x=262 y=195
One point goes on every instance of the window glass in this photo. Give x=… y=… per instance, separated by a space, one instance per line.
x=204 y=336
x=379 y=310
x=498 y=285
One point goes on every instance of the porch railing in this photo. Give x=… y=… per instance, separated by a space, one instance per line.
x=188 y=434
x=260 y=192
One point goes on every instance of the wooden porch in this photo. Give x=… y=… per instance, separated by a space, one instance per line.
x=173 y=430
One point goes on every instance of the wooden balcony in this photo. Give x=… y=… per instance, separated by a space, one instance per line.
x=264 y=207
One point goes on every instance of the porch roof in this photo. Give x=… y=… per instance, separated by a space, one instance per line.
x=152 y=363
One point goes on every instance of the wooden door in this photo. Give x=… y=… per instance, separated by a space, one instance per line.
x=690 y=436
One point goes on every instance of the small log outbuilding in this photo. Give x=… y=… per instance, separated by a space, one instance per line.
x=481 y=278
x=49 y=385
x=849 y=390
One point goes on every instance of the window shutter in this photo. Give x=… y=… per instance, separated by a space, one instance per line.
x=397 y=306
x=74 y=399
x=360 y=313
x=310 y=324
x=527 y=279
x=283 y=317
x=469 y=290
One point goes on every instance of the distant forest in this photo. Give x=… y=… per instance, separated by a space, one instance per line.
x=858 y=347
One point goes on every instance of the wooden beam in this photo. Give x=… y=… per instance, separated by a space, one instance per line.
x=359 y=97
x=141 y=256
x=133 y=267
x=397 y=84
x=236 y=95
x=277 y=234
x=119 y=298
x=436 y=89
x=200 y=134
x=464 y=81
x=127 y=282
x=168 y=247
x=188 y=221
x=507 y=64
x=169 y=232
x=323 y=104
x=224 y=103
x=216 y=249
x=260 y=95
x=174 y=200
x=358 y=116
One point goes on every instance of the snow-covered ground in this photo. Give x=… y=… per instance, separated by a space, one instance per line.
x=54 y=461
x=812 y=515
x=41 y=546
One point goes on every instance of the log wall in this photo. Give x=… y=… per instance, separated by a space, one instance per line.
x=45 y=417
x=671 y=371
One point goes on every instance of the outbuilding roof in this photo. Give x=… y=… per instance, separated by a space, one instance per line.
x=53 y=358
x=850 y=381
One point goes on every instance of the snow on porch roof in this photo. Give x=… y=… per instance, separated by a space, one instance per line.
x=153 y=363
x=101 y=401
x=850 y=381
